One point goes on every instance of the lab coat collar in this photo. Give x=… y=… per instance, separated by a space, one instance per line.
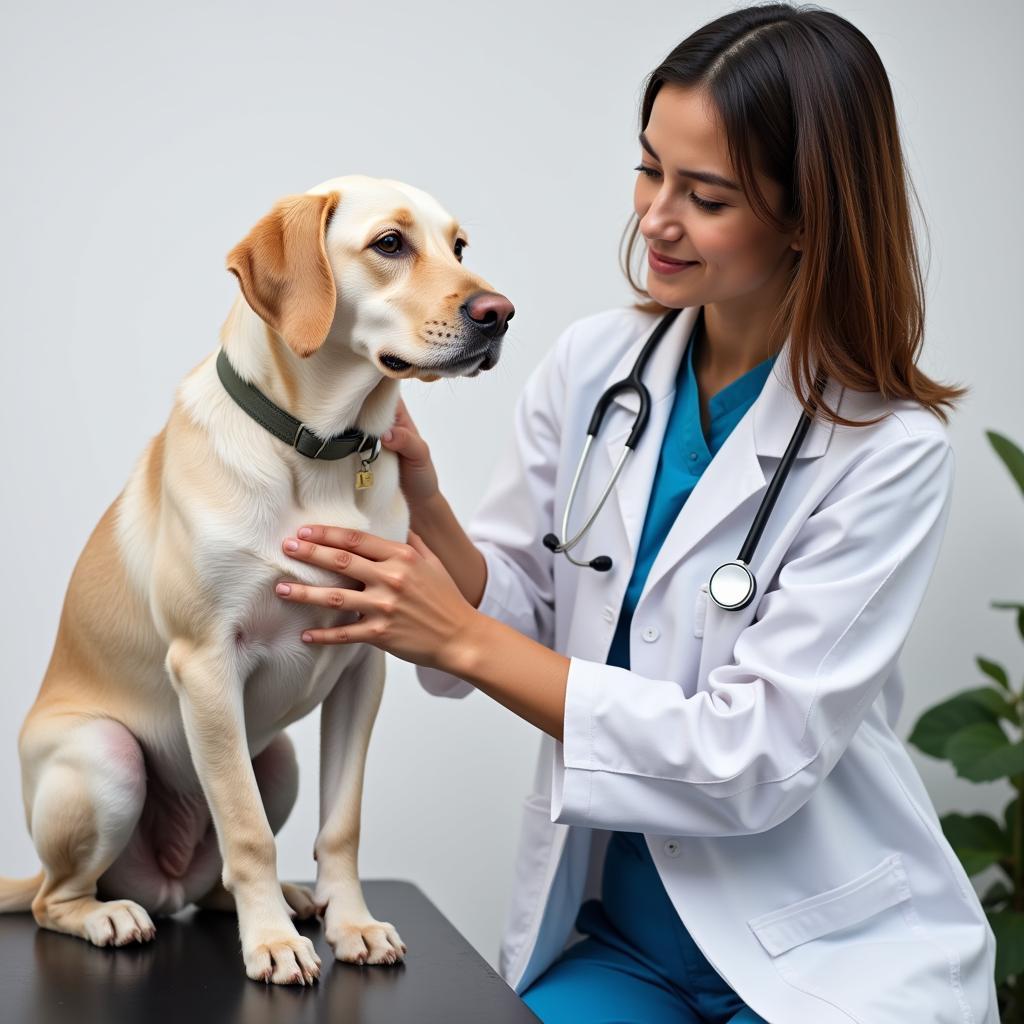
x=735 y=472
x=775 y=412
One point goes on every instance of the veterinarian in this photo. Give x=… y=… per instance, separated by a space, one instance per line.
x=725 y=825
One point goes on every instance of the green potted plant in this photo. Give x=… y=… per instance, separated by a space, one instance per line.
x=979 y=731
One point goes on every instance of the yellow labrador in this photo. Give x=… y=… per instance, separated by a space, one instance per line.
x=155 y=765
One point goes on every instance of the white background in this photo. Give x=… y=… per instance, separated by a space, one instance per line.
x=142 y=144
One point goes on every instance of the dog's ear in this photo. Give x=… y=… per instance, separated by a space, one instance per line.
x=284 y=272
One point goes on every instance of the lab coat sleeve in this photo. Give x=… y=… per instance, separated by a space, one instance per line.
x=748 y=752
x=515 y=514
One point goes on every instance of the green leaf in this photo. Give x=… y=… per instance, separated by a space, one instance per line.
x=1020 y=613
x=1010 y=817
x=981 y=753
x=939 y=724
x=991 y=699
x=1008 y=926
x=1010 y=454
x=977 y=840
x=997 y=672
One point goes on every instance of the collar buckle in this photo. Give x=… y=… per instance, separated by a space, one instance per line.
x=295 y=440
x=374 y=452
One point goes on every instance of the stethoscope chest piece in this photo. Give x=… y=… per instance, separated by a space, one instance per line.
x=732 y=586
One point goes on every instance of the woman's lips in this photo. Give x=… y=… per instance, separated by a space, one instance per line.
x=665 y=266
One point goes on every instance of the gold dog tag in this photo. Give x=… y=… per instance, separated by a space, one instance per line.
x=364 y=476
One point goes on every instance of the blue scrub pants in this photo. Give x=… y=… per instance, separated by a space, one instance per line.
x=637 y=963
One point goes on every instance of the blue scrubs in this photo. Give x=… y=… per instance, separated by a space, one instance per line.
x=637 y=963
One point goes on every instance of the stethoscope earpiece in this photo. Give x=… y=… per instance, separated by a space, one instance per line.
x=602 y=563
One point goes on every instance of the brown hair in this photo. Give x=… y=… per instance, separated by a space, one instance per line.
x=803 y=96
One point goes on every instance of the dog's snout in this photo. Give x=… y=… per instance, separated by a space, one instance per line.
x=489 y=312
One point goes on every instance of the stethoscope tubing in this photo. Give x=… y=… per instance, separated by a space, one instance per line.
x=764 y=510
x=729 y=572
x=632 y=382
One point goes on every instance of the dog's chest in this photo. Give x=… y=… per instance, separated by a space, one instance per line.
x=284 y=677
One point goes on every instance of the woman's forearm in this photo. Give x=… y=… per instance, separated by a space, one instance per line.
x=513 y=669
x=435 y=522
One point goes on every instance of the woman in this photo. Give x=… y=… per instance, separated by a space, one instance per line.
x=726 y=827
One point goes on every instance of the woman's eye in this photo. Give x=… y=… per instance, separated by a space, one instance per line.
x=704 y=204
x=389 y=243
x=459 y=246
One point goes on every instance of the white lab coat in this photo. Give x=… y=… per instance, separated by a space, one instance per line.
x=753 y=748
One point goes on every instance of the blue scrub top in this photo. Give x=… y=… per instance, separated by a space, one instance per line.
x=685 y=454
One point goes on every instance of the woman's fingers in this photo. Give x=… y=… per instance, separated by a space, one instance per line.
x=353 y=566
x=342 y=598
x=416 y=473
x=358 y=633
x=402 y=417
x=345 y=550
x=405 y=438
x=417 y=542
x=410 y=445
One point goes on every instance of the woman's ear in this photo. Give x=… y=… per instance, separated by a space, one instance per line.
x=284 y=272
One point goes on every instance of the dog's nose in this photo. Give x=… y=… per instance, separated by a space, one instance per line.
x=490 y=312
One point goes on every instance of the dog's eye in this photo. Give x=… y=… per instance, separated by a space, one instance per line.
x=389 y=243
x=459 y=246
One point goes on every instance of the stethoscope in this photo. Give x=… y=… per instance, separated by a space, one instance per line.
x=732 y=585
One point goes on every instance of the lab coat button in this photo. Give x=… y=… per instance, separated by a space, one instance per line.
x=671 y=847
x=650 y=634
x=693 y=456
x=609 y=613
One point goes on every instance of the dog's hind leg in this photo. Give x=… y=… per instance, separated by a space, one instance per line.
x=346 y=721
x=88 y=786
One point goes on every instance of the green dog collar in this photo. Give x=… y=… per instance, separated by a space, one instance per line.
x=286 y=427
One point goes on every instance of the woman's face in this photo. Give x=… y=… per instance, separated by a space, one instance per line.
x=735 y=255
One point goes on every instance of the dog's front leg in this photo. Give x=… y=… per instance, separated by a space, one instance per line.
x=210 y=694
x=346 y=721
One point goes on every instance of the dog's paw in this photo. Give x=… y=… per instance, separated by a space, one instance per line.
x=300 y=899
x=118 y=922
x=366 y=942
x=282 y=959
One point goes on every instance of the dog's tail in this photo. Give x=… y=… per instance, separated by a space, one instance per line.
x=18 y=893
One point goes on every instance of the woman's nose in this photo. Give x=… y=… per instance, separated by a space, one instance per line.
x=658 y=222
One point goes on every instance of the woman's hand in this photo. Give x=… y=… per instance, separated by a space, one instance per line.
x=409 y=605
x=430 y=515
x=416 y=474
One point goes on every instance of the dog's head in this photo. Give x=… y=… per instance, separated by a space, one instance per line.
x=381 y=263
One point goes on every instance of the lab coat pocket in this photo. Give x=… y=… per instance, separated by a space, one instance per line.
x=826 y=912
x=862 y=946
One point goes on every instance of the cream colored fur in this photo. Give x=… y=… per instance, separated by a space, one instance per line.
x=155 y=765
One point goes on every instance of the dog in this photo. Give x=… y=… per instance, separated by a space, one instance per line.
x=155 y=766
